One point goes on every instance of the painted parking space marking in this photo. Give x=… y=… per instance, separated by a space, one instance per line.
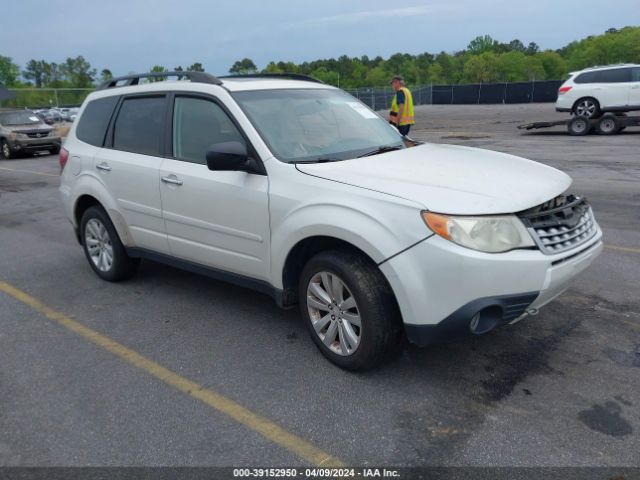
x=623 y=249
x=28 y=171
x=262 y=425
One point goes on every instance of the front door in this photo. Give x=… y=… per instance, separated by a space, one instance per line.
x=213 y=218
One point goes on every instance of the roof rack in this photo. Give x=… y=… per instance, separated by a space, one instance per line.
x=611 y=65
x=292 y=76
x=198 y=77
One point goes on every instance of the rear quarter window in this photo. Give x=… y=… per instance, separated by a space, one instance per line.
x=94 y=121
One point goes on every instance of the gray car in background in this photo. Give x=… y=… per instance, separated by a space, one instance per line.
x=22 y=131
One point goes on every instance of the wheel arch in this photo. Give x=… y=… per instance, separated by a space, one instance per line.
x=304 y=250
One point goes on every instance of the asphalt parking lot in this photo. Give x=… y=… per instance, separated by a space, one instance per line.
x=171 y=368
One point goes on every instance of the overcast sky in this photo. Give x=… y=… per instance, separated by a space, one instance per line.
x=132 y=35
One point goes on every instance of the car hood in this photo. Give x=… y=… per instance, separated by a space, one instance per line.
x=29 y=128
x=451 y=179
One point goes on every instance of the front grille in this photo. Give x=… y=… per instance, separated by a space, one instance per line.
x=36 y=133
x=561 y=224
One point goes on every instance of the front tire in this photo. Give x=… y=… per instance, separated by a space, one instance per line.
x=349 y=309
x=103 y=248
x=55 y=150
x=5 y=151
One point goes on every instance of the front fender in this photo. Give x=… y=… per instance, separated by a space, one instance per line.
x=377 y=235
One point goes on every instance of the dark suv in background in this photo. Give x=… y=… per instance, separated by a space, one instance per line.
x=22 y=131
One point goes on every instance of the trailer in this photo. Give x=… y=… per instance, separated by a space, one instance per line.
x=608 y=124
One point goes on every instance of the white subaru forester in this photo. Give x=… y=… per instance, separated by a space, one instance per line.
x=295 y=189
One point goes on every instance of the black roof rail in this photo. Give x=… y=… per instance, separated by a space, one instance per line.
x=292 y=76
x=198 y=77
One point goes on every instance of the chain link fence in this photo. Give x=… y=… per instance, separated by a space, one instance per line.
x=46 y=97
x=379 y=98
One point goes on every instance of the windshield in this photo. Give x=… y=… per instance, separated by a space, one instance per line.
x=18 y=118
x=316 y=124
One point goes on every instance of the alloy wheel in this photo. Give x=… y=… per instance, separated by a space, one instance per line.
x=334 y=313
x=586 y=108
x=98 y=244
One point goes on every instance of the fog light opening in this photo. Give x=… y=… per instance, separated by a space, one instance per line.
x=485 y=320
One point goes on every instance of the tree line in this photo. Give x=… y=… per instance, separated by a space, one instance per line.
x=485 y=60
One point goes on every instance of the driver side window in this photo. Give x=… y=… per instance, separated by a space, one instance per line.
x=197 y=124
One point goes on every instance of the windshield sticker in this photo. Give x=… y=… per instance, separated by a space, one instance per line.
x=362 y=110
x=34 y=119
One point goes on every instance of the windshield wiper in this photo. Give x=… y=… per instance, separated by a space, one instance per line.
x=380 y=150
x=317 y=160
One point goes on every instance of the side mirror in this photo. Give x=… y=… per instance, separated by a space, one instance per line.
x=228 y=156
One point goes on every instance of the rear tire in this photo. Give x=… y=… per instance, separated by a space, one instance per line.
x=5 y=151
x=349 y=309
x=103 y=248
x=579 y=126
x=587 y=107
x=609 y=124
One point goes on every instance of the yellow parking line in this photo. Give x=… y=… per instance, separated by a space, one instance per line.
x=623 y=249
x=29 y=171
x=265 y=427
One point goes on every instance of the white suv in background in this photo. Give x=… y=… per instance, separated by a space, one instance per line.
x=594 y=91
x=295 y=189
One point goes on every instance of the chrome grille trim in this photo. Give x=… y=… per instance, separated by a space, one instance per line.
x=565 y=227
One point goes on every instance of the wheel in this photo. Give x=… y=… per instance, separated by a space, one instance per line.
x=349 y=309
x=587 y=107
x=609 y=125
x=103 y=248
x=579 y=126
x=55 y=150
x=5 y=151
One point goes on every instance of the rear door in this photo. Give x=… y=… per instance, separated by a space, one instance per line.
x=215 y=218
x=129 y=167
x=634 y=91
x=614 y=87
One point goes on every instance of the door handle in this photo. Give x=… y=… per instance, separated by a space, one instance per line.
x=172 y=179
x=636 y=87
x=104 y=167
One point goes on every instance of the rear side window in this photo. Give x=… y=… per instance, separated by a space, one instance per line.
x=635 y=74
x=587 y=77
x=138 y=128
x=618 y=75
x=95 y=119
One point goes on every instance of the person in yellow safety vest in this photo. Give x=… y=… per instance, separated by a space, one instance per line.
x=401 y=114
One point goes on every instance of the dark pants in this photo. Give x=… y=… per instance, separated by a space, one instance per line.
x=404 y=129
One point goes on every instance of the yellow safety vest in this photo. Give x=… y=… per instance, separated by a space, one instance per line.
x=408 y=107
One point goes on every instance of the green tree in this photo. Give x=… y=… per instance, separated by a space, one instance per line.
x=9 y=72
x=197 y=67
x=482 y=44
x=35 y=70
x=331 y=78
x=377 y=76
x=483 y=68
x=106 y=75
x=78 y=72
x=157 y=69
x=555 y=67
x=513 y=66
x=243 y=67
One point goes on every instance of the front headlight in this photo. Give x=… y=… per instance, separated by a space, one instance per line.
x=22 y=135
x=492 y=234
